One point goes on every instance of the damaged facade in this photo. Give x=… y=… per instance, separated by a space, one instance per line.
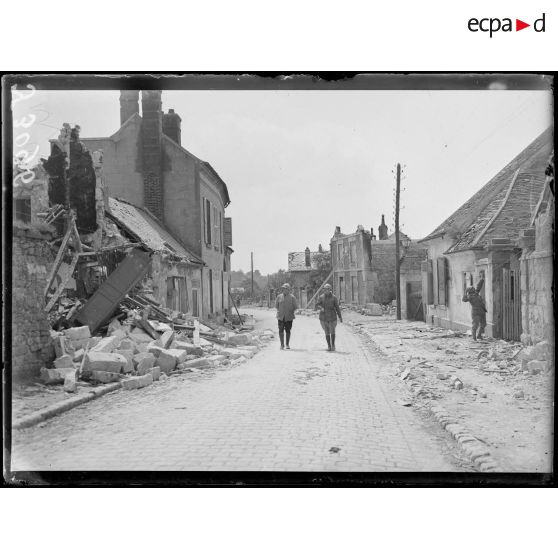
x=485 y=234
x=81 y=256
x=145 y=164
x=174 y=275
x=364 y=266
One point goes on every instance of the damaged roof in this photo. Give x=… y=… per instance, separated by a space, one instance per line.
x=503 y=206
x=297 y=260
x=142 y=224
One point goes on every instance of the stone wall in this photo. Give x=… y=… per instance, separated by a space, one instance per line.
x=537 y=278
x=31 y=342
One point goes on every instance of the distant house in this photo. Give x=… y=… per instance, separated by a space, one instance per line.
x=303 y=266
x=364 y=266
x=146 y=165
x=484 y=234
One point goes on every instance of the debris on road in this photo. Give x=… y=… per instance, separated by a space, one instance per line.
x=499 y=382
x=142 y=344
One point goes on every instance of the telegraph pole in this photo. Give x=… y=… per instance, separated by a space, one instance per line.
x=252 y=274
x=397 y=261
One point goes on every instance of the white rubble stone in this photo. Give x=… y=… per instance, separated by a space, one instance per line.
x=107 y=344
x=70 y=382
x=166 y=360
x=190 y=348
x=107 y=362
x=143 y=362
x=129 y=356
x=63 y=362
x=55 y=375
x=139 y=336
x=179 y=354
x=198 y=363
x=155 y=372
x=105 y=376
x=240 y=339
x=74 y=333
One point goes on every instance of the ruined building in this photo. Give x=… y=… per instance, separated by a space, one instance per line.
x=146 y=166
x=364 y=266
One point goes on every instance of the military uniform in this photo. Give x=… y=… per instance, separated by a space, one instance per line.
x=478 y=309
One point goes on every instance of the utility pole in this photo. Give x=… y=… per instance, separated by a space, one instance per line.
x=252 y=273
x=397 y=261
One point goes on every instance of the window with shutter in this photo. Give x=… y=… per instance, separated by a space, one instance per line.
x=216 y=234
x=228 y=231
x=204 y=221
x=221 y=231
x=208 y=221
x=427 y=282
x=442 y=281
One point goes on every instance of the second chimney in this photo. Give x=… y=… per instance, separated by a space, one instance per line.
x=152 y=156
x=129 y=105
x=382 y=230
x=172 y=126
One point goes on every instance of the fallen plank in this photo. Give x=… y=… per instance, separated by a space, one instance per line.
x=62 y=285
x=58 y=260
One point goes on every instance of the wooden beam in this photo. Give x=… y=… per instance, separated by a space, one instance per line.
x=58 y=260
x=62 y=285
x=321 y=287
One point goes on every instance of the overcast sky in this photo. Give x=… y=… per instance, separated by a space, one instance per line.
x=299 y=163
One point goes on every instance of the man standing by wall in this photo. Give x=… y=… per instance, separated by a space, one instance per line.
x=329 y=312
x=478 y=308
x=286 y=306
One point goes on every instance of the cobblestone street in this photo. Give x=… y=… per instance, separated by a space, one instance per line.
x=298 y=410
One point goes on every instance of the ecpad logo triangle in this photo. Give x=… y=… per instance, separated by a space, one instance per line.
x=519 y=25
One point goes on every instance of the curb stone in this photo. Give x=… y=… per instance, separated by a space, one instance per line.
x=475 y=450
x=63 y=406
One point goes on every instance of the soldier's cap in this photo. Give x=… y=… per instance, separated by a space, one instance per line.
x=471 y=290
x=286 y=286
x=327 y=286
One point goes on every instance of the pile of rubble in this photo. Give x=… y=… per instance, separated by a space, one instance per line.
x=138 y=351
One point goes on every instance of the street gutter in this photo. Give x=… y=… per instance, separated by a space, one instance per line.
x=63 y=406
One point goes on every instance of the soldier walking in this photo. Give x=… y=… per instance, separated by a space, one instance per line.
x=286 y=306
x=329 y=313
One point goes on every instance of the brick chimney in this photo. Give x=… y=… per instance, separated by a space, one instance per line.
x=372 y=235
x=382 y=230
x=129 y=105
x=307 y=261
x=152 y=156
x=172 y=126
